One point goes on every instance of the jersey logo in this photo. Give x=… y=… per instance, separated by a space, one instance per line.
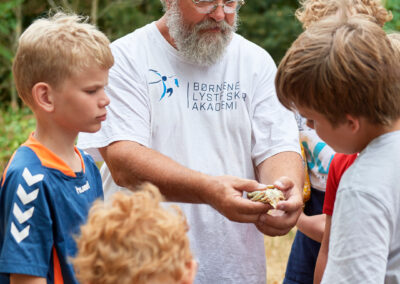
x=24 y=197
x=19 y=236
x=163 y=80
x=30 y=179
x=82 y=188
x=23 y=216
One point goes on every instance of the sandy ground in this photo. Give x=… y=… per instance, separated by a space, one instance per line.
x=277 y=250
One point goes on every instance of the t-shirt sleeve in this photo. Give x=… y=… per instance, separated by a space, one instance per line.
x=26 y=224
x=360 y=239
x=128 y=114
x=332 y=184
x=274 y=127
x=340 y=163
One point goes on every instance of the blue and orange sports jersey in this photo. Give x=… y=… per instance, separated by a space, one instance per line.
x=42 y=205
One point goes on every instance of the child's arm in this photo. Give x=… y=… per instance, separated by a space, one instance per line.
x=323 y=252
x=312 y=226
x=26 y=279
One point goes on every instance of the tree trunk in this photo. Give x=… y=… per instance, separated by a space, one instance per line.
x=94 y=11
x=18 y=30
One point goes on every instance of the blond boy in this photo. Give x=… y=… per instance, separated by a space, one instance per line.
x=340 y=74
x=60 y=69
x=133 y=239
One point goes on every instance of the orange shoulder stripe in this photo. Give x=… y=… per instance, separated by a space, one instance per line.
x=51 y=160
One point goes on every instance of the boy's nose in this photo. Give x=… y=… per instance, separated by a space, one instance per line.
x=105 y=100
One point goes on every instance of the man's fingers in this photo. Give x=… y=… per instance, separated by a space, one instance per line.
x=245 y=210
x=248 y=185
x=273 y=232
x=284 y=183
x=279 y=221
x=290 y=205
x=248 y=207
x=244 y=218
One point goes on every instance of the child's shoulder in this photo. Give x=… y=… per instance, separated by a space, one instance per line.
x=343 y=160
x=24 y=167
x=22 y=158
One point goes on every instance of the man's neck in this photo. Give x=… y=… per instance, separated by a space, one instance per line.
x=163 y=28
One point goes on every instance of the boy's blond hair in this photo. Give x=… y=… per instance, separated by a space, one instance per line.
x=342 y=65
x=314 y=10
x=55 y=48
x=132 y=240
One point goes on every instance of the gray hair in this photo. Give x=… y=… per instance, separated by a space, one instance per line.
x=164 y=5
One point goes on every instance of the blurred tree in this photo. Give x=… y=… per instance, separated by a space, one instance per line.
x=269 y=23
x=10 y=29
x=394 y=6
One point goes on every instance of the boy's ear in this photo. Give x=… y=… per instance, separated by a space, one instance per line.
x=190 y=273
x=42 y=94
x=353 y=123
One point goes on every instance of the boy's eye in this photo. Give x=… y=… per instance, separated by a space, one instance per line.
x=91 y=91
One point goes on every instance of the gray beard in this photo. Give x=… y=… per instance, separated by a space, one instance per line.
x=204 y=49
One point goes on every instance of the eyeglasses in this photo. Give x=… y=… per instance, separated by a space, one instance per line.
x=209 y=6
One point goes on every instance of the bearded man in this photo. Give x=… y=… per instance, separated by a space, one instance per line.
x=194 y=111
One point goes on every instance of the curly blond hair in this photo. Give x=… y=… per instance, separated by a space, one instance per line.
x=342 y=65
x=132 y=239
x=314 y=10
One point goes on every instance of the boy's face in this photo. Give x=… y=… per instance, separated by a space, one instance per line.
x=80 y=101
x=340 y=138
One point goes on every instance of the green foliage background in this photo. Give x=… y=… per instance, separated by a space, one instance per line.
x=269 y=23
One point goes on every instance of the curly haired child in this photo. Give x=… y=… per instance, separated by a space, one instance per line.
x=134 y=239
x=314 y=10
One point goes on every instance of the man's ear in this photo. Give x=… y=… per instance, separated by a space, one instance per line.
x=43 y=96
x=353 y=123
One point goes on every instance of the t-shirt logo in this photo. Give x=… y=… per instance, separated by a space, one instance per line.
x=83 y=188
x=168 y=88
x=22 y=215
x=208 y=97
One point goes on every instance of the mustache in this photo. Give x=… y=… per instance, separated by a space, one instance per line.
x=210 y=24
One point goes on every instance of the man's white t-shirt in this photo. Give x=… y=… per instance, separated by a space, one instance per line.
x=364 y=244
x=219 y=120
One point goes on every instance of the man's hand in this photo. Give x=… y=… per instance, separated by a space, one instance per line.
x=280 y=221
x=226 y=196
